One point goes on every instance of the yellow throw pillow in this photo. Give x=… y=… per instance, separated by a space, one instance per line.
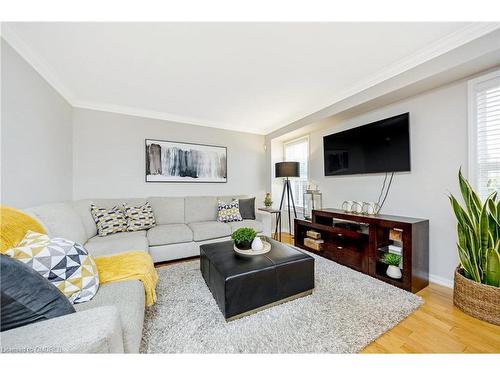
x=65 y=263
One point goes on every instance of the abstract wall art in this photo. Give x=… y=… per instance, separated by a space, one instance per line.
x=168 y=161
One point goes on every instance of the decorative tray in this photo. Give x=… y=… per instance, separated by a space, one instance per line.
x=251 y=253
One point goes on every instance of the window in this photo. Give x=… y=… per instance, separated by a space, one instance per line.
x=298 y=150
x=484 y=133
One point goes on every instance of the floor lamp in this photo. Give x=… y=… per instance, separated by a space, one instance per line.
x=287 y=169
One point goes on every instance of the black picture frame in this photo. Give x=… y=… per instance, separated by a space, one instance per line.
x=160 y=178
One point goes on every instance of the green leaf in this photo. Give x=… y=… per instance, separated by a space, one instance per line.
x=466 y=264
x=391 y=259
x=461 y=215
x=492 y=274
x=462 y=238
x=471 y=199
x=498 y=211
x=474 y=252
x=484 y=229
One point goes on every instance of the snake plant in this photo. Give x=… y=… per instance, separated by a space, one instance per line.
x=478 y=228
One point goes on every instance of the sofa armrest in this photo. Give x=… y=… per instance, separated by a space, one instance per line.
x=267 y=222
x=96 y=330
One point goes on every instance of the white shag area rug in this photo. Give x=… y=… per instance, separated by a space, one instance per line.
x=346 y=312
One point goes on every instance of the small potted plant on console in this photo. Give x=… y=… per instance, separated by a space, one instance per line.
x=392 y=261
x=243 y=238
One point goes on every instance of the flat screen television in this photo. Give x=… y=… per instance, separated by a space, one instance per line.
x=381 y=146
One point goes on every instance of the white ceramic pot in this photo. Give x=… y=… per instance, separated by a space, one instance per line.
x=257 y=244
x=394 y=272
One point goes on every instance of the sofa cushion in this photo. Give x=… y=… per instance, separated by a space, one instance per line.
x=139 y=217
x=82 y=208
x=201 y=209
x=207 y=230
x=60 y=220
x=27 y=297
x=117 y=243
x=109 y=220
x=64 y=263
x=92 y=331
x=168 y=234
x=168 y=210
x=256 y=225
x=128 y=297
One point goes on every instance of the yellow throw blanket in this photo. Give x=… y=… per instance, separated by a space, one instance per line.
x=132 y=265
x=14 y=225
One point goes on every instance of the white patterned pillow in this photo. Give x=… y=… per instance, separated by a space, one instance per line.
x=64 y=263
x=108 y=220
x=227 y=212
x=139 y=218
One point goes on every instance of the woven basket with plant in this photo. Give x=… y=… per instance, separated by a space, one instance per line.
x=477 y=279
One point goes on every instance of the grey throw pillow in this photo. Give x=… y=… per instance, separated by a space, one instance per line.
x=247 y=208
x=27 y=297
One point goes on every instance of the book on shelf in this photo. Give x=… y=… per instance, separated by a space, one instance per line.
x=313 y=234
x=313 y=244
x=395 y=249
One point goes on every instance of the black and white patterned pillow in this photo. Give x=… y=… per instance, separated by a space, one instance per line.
x=227 y=212
x=64 y=263
x=108 y=220
x=139 y=218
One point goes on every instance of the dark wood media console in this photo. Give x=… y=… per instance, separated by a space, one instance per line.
x=359 y=242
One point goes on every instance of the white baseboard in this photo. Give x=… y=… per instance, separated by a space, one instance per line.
x=441 y=281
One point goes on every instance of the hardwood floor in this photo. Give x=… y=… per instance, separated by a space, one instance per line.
x=436 y=327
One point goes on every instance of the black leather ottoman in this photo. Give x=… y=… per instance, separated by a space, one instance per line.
x=243 y=285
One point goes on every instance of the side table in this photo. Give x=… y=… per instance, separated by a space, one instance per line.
x=277 y=235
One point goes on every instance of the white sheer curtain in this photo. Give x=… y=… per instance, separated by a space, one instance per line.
x=298 y=150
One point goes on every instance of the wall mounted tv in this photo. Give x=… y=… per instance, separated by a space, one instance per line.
x=381 y=146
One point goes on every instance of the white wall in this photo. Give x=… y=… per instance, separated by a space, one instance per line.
x=438 y=126
x=36 y=136
x=109 y=157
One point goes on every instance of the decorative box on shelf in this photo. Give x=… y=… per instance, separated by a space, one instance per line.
x=313 y=234
x=313 y=244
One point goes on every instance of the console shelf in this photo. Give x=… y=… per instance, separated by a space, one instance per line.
x=359 y=242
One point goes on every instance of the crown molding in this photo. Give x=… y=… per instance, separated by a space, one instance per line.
x=454 y=40
x=40 y=66
x=446 y=44
x=145 y=113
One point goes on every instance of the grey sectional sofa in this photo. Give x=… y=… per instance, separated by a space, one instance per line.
x=182 y=225
x=112 y=321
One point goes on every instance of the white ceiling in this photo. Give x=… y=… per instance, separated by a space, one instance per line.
x=254 y=77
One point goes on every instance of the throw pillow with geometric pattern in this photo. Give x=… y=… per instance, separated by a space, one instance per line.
x=108 y=220
x=64 y=263
x=140 y=217
x=228 y=212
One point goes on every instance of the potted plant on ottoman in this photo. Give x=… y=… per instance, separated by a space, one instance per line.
x=392 y=261
x=243 y=238
x=477 y=279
